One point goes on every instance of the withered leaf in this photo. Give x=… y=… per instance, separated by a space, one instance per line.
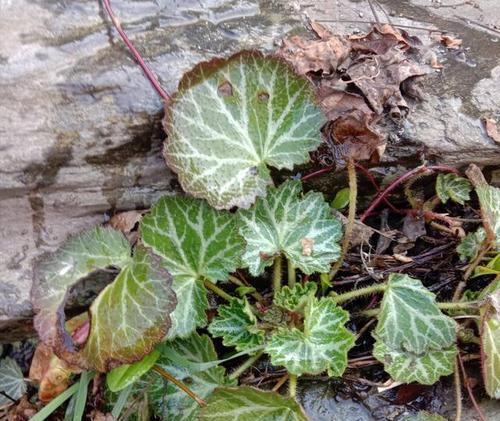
x=381 y=39
x=492 y=129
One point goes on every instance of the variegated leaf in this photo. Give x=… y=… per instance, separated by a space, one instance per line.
x=249 y=404
x=490 y=344
x=321 y=345
x=471 y=244
x=196 y=242
x=237 y=325
x=295 y=298
x=451 y=186
x=408 y=367
x=127 y=318
x=231 y=119
x=11 y=381
x=489 y=199
x=170 y=403
x=300 y=227
x=410 y=319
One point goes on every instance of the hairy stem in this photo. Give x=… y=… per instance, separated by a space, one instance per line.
x=353 y=194
x=448 y=305
x=179 y=384
x=245 y=366
x=355 y=293
x=292 y=278
x=277 y=274
x=380 y=197
x=292 y=385
x=145 y=68
x=215 y=289
x=458 y=392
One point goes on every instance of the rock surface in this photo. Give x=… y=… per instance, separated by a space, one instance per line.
x=80 y=135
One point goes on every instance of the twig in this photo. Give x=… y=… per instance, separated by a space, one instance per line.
x=469 y=389
x=316 y=173
x=145 y=68
x=179 y=384
x=353 y=194
x=401 y=179
x=280 y=383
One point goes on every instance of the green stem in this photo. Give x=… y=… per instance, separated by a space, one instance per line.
x=443 y=306
x=240 y=283
x=245 y=366
x=355 y=293
x=292 y=278
x=353 y=194
x=214 y=288
x=292 y=385
x=277 y=274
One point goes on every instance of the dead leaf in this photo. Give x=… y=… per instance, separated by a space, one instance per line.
x=402 y=258
x=126 y=221
x=96 y=415
x=382 y=39
x=317 y=56
x=435 y=64
x=307 y=246
x=413 y=227
x=361 y=233
x=320 y=30
x=353 y=137
x=491 y=129
x=336 y=102
x=379 y=78
x=23 y=411
x=450 y=42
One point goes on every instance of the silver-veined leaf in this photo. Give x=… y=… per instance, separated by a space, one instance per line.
x=237 y=325
x=295 y=298
x=126 y=319
x=249 y=404
x=410 y=319
x=321 y=345
x=196 y=242
x=300 y=227
x=451 y=186
x=11 y=381
x=169 y=402
x=471 y=244
x=231 y=119
x=408 y=367
x=490 y=344
x=489 y=199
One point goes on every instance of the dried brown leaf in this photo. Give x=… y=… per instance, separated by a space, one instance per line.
x=126 y=221
x=492 y=129
x=316 y=56
x=382 y=39
x=450 y=42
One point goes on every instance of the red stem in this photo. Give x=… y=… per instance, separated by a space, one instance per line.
x=316 y=173
x=401 y=180
x=145 y=68
x=469 y=389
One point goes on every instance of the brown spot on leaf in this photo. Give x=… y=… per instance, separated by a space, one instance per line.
x=225 y=89
x=307 y=246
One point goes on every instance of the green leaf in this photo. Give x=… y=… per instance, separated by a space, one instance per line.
x=231 y=119
x=127 y=318
x=300 y=227
x=196 y=242
x=414 y=340
x=121 y=377
x=451 y=186
x=11 y=381
x=172 y=404
x=295 y=298
x=249 y=404
x=341 y=199
x=322 y=344
x=410 y=319
x=471 y=244
x=490 y=344
x=237 y=325
x=489 y=199
x=408 y=367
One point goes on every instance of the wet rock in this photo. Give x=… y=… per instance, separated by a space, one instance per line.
x=81 y=132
